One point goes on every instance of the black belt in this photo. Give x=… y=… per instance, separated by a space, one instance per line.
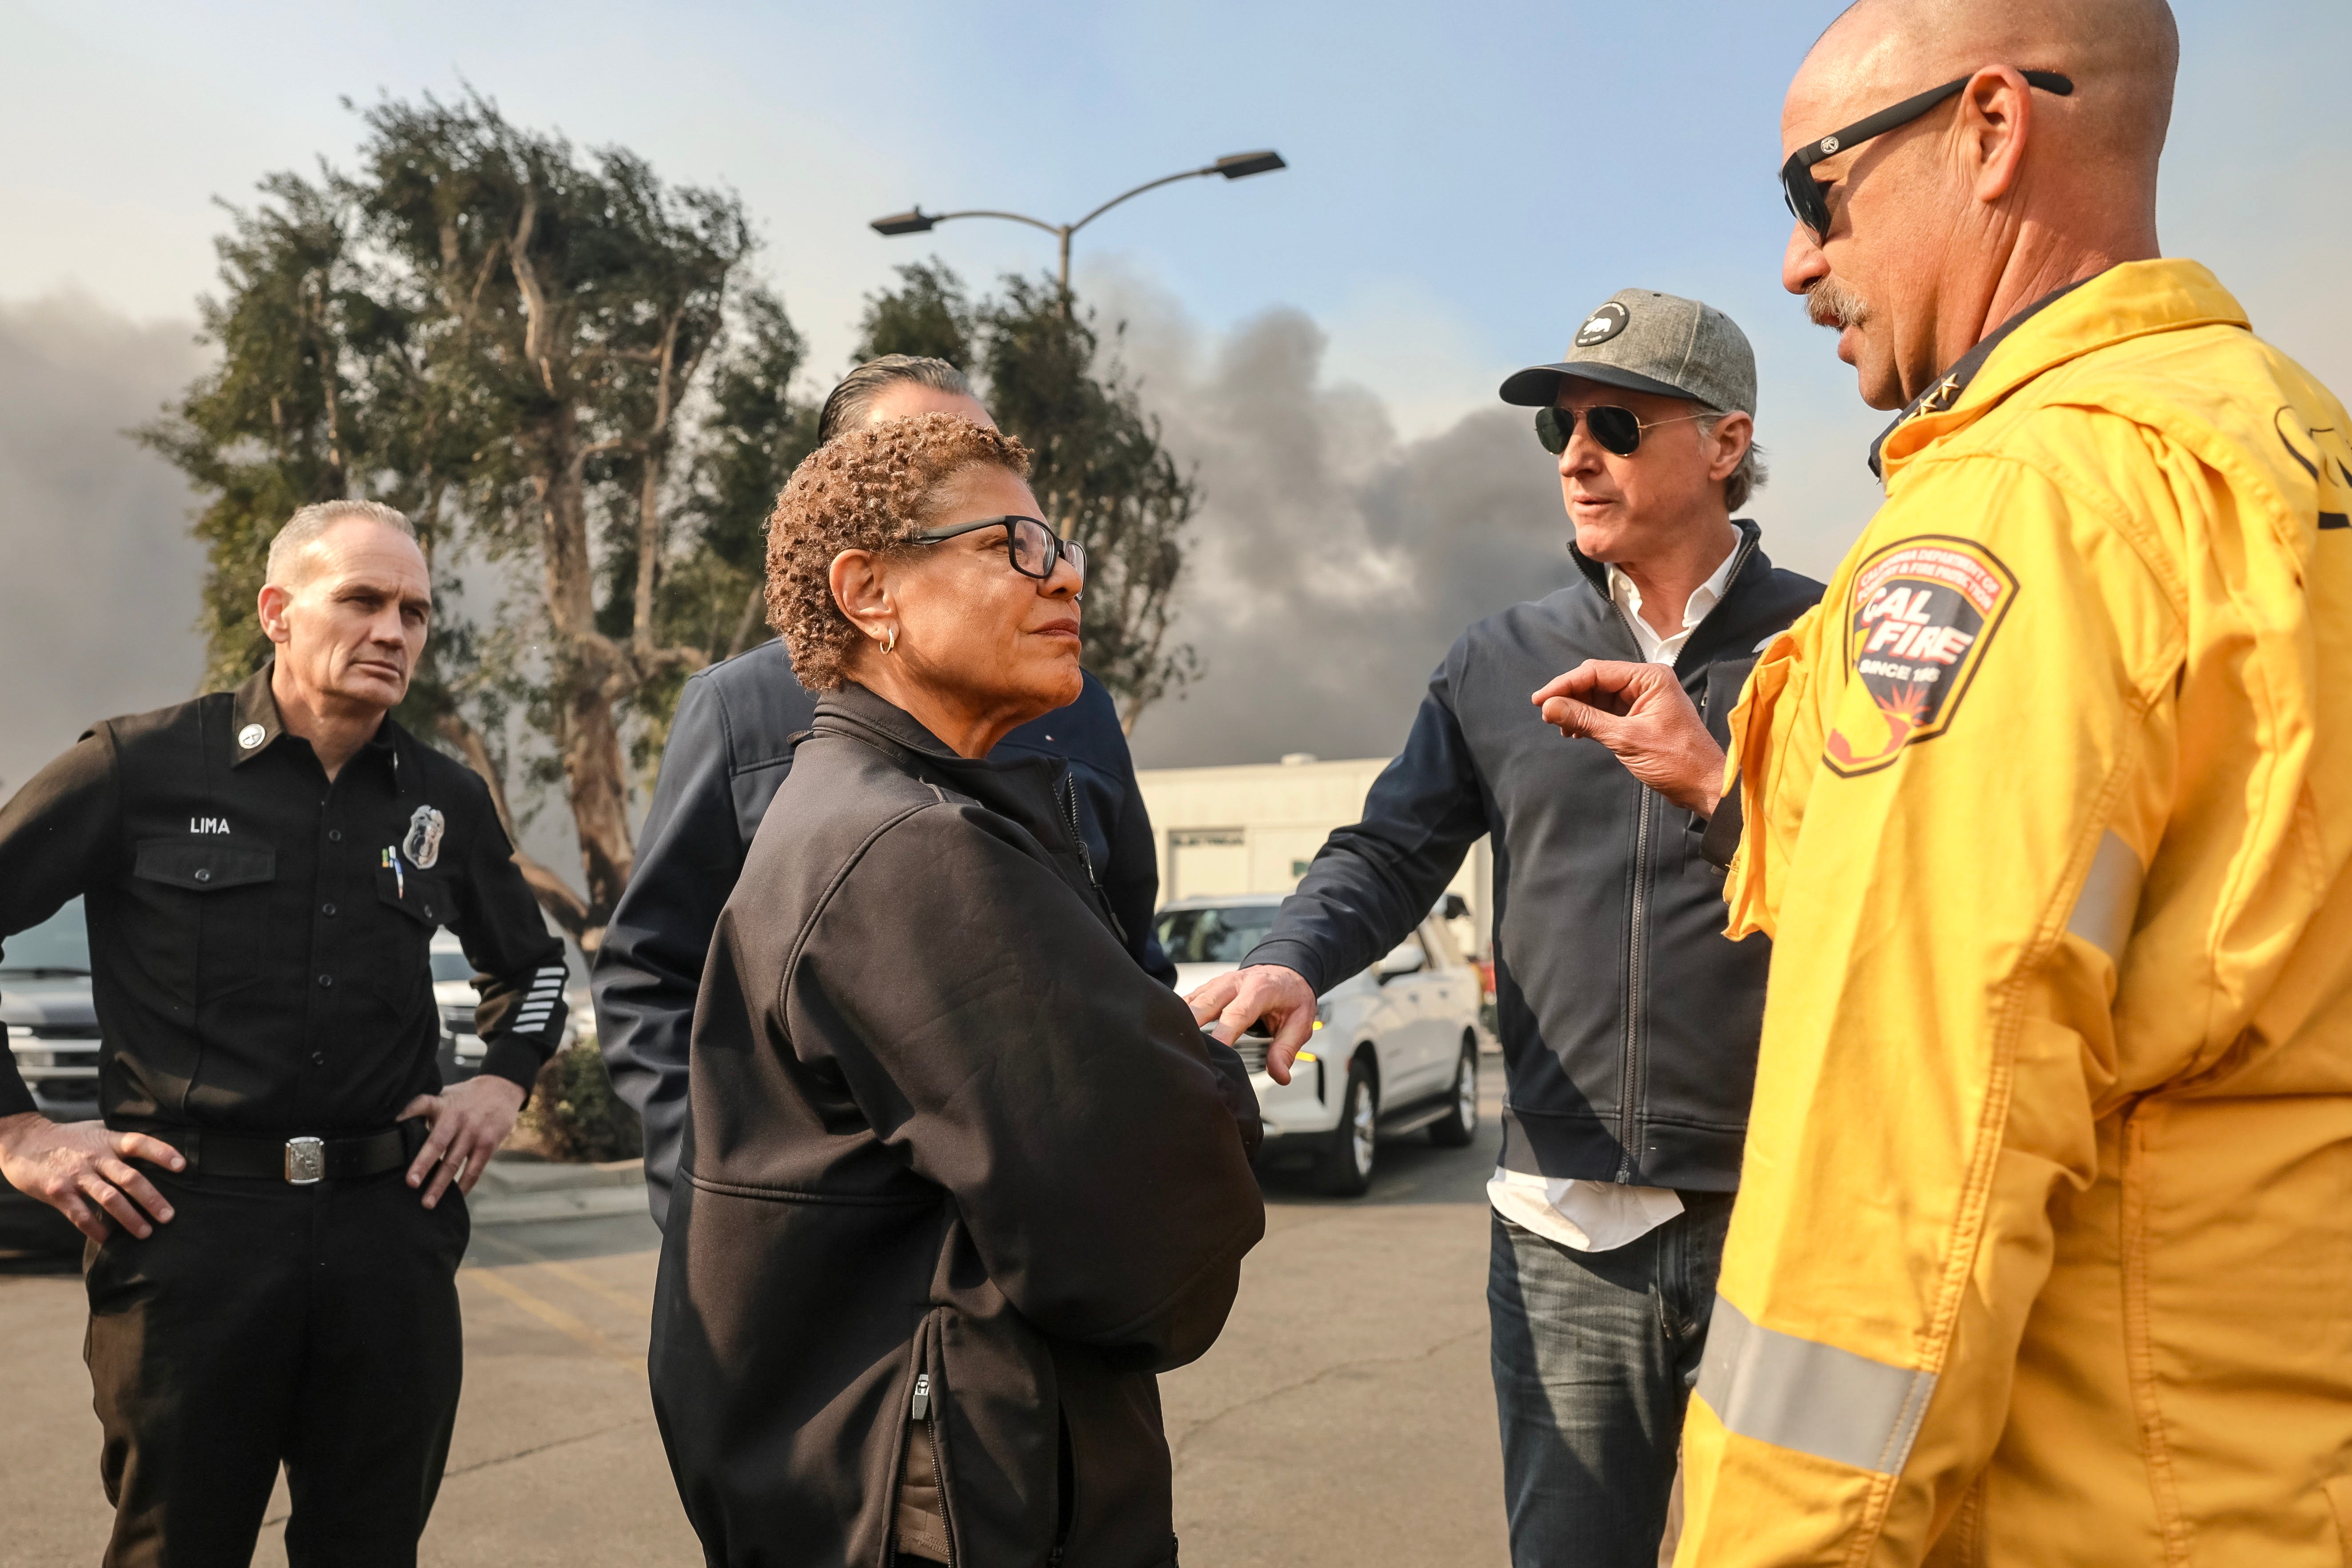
x=300 y=1160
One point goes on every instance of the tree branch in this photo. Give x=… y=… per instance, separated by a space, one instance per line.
x=755 y=615
x=554 y=895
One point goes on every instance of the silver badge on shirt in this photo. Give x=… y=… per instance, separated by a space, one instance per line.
x=250 y=736
x=423 y=845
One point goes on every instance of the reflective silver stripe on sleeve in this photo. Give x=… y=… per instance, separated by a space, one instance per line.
x=1815 y=1398
x=2110 y=898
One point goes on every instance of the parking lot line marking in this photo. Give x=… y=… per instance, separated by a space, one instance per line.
x=554 y=1317
x=577 y=1278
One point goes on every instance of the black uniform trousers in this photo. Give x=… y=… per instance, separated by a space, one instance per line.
x=316 y=1326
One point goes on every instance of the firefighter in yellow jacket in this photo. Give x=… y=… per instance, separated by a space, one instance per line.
x=2043 y=1248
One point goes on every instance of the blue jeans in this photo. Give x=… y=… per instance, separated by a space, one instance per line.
x=1595 y=1356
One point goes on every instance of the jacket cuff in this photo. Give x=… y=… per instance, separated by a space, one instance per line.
x=1292 y=954
x=516 y=1061
x=14 y=1098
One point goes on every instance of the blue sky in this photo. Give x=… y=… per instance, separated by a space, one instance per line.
x=1466 y=181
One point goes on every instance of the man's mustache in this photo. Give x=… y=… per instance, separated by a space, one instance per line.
x=1831 y=303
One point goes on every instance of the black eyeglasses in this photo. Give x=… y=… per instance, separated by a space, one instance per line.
x=1804 y=196
x=1617 y=429
x=1033 y=546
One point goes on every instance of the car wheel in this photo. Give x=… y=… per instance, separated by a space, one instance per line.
x=1459 y=1125
x=1345 y=1167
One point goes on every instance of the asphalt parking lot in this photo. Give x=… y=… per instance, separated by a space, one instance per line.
x=1344 y=1418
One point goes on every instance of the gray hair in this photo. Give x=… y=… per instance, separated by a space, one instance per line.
x=847 y=405
x=1744 y=481
x=306 y=525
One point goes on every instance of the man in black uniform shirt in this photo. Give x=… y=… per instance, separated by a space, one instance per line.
x=730 y=746
x=263 y=870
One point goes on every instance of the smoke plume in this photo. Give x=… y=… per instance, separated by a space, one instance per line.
x=1332 y=564
x=98 y=605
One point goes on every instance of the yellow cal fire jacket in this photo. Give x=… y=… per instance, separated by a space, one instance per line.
x=2043 y=1247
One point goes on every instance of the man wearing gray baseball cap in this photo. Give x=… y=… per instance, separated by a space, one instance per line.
x=1628 y=1024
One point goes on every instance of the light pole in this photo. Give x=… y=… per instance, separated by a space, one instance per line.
x=1232 y=167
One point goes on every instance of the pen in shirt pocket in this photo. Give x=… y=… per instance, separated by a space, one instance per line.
x=399 y=882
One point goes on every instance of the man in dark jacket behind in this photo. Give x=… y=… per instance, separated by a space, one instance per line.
x=1629 y=1023
x=730 y=745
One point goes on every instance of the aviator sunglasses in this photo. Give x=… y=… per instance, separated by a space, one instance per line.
x=1617 y=430
x=1033 y=546
x=1804 y=195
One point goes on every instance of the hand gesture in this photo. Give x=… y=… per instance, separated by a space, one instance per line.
x=79 y=1168
x=1641 y=712
x=1262 y=993
x=469 y=1123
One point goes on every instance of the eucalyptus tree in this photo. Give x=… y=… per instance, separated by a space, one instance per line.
x=511 y=340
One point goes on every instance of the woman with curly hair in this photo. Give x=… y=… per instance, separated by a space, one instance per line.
x=960 y=1177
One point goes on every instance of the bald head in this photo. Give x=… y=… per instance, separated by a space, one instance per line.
x=2121 y=55
x=1943 y=228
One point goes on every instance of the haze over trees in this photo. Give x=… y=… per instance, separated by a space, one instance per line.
x=565 y=371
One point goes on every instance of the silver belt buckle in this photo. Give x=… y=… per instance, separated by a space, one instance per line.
x=306 y=1161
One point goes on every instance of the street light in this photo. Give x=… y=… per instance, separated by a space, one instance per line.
x=1232 y=167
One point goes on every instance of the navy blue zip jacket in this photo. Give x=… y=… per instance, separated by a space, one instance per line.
x=1629 y=1023
x=730 y=746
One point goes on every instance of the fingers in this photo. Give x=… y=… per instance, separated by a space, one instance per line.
x=441 y=1176
x=421 y=1106
x=85 y=1219
x=1574 y=683
x=115 y=1202
x=1239 y=1014
x=1258 y=1005
x=1596 y=680
x=1288 y=1041
x=154 y=1151
x=1579 y=720
x=465 y=1139
x=436 y=1144
x=1209 y=999
x=139 y=1190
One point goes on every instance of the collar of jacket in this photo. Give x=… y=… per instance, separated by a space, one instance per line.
x=2128 y=300
x=1596 y=573
x=256 y=703
x=855 y=708
x=1023 y=788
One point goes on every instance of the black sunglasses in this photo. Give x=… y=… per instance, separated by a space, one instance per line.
x=1617 y=429
x=1033 y=546
x=1804 y=196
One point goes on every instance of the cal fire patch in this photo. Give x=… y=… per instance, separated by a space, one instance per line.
x=1922 y=613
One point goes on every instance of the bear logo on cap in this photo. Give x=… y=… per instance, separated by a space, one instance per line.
x=1602 y=325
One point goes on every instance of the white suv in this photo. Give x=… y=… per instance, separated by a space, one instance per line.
x=1395 y=1048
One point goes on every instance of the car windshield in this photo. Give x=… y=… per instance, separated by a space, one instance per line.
x=59 y=945
x=1214 y=936
x=452 y=966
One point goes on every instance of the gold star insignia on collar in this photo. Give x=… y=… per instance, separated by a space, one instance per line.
x=1946 y=392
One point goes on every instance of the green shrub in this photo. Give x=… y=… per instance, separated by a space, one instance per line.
x=573 y=1114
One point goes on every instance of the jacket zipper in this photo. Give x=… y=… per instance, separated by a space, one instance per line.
x=1069 y=793
x=1629 y=1087
x=1636 y=972
x=920 y=1409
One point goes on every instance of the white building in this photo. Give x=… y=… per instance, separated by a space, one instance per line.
x=1253 y=828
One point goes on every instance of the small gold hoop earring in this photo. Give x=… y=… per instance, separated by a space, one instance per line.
x=890 y=640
